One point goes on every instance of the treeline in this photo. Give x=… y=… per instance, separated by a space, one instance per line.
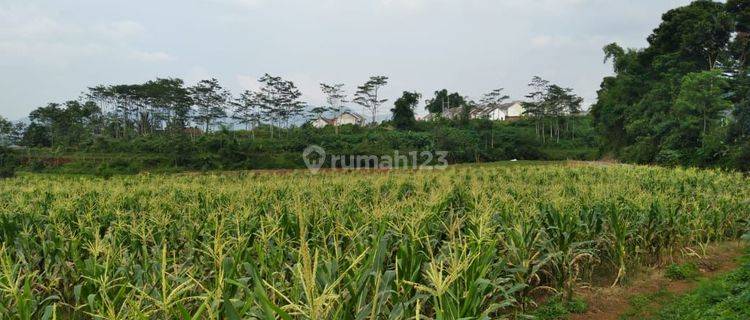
x=165 y=124
x=551 y=107
x=684 y=99
x=161 y=106
x=168 y=106
x=478 y=140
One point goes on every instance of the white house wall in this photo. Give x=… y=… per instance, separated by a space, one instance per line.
x=516 y=110
x=346 y=119
x=497 y=115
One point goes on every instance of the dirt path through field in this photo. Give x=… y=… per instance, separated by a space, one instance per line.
x=606 y=303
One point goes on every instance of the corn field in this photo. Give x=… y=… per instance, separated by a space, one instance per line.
x=471 y=242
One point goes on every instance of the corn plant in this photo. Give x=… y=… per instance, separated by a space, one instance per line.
x=470 y=242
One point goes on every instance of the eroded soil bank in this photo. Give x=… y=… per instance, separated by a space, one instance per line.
x=606 y=303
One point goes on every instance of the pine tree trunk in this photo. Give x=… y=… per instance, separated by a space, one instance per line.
x=492 y=136
x=252 y=132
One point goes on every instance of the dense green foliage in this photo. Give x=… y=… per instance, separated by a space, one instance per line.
x=550 y=106
x=681 y=271
x=443 y=100
x=8 y=163
x=9 y=132
x=472 y=242
x=725 y=298
x=403 y=110
x=685 y=99
x=164 y=125
x=476 y=141
x=558 y=308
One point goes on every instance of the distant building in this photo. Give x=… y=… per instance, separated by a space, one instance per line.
x=343 y=119
x=503 y=112
x=321 y=122
x=506 y=111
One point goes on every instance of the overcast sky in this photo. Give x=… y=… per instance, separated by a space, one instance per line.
x=53 y=50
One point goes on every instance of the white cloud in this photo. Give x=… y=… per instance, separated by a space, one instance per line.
x=594 y=42
x=30 y=34
x=423 y=45
x=309 y=86
x=48 y=53
x=542 y=41
x=147 y=56
x=31 y=23
x=197 y=73
x=247 y=82
x=547 y=5
x=411 y=5
x=242 y=3
x=120 y=29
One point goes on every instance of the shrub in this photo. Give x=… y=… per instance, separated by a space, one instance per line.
x=37 y=165
x=740 y=159
x=557 y=308
x=681 y=271
x=669 y=157
x=8 y=163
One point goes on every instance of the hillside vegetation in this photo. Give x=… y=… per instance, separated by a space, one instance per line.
x=473 y=141
x=685 y=98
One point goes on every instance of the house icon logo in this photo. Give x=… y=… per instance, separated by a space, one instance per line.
x=314 y=157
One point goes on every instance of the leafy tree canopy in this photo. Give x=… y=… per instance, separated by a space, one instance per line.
x=444 y=100
x=403 y=110
x=681 y=100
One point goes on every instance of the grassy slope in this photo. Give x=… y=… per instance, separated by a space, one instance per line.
x=726 y=297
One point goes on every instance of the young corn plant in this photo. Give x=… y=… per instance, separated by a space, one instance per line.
x=470 y=242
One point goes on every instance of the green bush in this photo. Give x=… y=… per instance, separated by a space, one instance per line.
x=681 y=271
x=8 y=163
x=669 y=158
x=558 y=308
x=37 y=165
x=641 y=152
x=740 y=159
